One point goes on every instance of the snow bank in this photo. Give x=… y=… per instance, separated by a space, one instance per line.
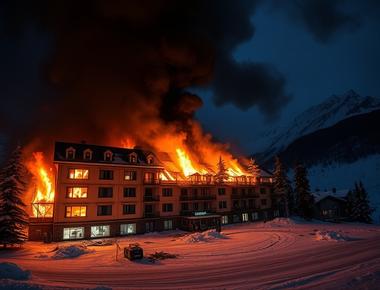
x=206 y=236
x=330 y=236
x=12 y=271
x=71 y=251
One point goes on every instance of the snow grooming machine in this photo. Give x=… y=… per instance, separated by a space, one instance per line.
x=133 y=252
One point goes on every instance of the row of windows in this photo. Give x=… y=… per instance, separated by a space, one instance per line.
x=105 y=174
x=106 y=210
x=107 y=192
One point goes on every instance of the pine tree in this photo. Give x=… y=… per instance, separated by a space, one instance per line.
x=358 y=204
x=282 y=188
x=13 y=218
x=254 y=169
x=222 y=174
x=304 y=200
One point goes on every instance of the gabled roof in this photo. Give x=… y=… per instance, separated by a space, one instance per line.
x=338 y=194
x=120 y=155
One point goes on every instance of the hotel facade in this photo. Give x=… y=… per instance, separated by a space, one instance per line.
x=106 y=191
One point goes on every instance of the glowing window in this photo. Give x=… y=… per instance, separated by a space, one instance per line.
x=73 y=233
x=168 y=225
x=224 y=219
x=108 y=156
x=150 y=159
x=133 y=158
x=130 y=175
x=76 y=192
x=70 y=153
x=78 y=173
x=244 y=217
x=100 y=231
x=127 y=229
x=76 y=211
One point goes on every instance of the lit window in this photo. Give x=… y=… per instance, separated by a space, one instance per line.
x=168 y=225
x=78 y=173
x=76 y=192
x=87 y=154
x=127 y=229
x=244 y=217
x=70 y=153
x=133 y=158
x=224 y=219
x=108 y=156
x=100 y=231
x=73 y=233
x=76 y=211
x=150 y=159
x=130 y=175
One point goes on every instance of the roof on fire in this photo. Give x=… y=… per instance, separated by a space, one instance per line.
x=119 y=155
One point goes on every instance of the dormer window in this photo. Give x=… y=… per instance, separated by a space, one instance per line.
x=108 y=156
x=70 y=153
x=133 y=158
x=87 y=154
x=150 y=159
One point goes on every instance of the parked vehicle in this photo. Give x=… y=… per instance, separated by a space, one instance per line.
x=133 y=252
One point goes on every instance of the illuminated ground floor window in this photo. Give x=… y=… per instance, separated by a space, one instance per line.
x=244 y=217
x=100 y=231
x=224 y=219
x=127 y=229
x=73 y=233
x=255 y=216
x=168 y=225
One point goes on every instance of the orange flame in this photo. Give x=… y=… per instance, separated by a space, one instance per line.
x=42 y=204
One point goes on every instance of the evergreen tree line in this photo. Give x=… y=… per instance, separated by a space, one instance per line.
x=300 y=201
x=13 y=217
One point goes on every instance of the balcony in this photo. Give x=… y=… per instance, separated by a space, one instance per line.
x=151 y=214
x=244 y=195
x=197 y=197
x=151 y=198
x=151 y=181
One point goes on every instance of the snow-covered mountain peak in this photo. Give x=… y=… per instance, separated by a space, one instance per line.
x=334 y=109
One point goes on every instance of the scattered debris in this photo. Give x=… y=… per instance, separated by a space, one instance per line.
x=71 y=251
x=206 y=236
x=162 y=256
x=331 y=236
x=99 y=243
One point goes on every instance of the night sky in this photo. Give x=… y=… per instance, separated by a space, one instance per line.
x=308 y=49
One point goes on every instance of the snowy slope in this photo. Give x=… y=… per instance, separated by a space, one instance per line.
x=326 y=114
x=344 y=175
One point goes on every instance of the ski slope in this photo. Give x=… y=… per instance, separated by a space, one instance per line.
x=282 y=254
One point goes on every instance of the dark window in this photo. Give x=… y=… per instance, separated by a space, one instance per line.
x=195 y=191
x=244 y=204
x=104 y=210
x=70 y=154
x=206 y=205
x=183 y=191
x=222 y=204
x=251 y=190
x=242 y=191
x=236 y=204
x=108 y=156
x=148 y=208
x=106 y=174
x=195 y=206
x=251 y=203
x=129 y=209
x=130 y=175
x=262 y=190
x=129 y=192
x=105 y=192
x=148 y=191
x=167 y=191
x=184 y=206
x=264 y=202
x=205 y=191
x=87 y=155
x=167 y=207
x=221 y=191
x=234 y=190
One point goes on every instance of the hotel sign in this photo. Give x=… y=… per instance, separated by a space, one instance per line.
x=200 y=213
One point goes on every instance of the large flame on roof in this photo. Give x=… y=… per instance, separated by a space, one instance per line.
x=42 y=186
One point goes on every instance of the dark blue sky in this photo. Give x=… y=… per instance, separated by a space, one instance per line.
x=313 y=69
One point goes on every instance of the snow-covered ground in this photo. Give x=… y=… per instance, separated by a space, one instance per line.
x=281 y=254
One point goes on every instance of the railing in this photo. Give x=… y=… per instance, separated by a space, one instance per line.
x=151 y=214
x=151 y=198
x=152 y=181
x=197 y=197
x=244 y=195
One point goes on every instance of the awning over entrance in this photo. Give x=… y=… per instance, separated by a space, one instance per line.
x=202 y=217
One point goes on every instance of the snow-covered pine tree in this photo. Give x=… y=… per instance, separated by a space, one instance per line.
x=13 y=218
x=253 y=168
x=361 y=209
x=283 y=193
x=222 y=174
x=305 y=200
x=351 y=201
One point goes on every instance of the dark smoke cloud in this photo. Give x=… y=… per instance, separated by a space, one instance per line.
x=324 y=19
x=120 y=65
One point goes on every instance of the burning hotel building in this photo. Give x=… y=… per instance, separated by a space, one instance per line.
x=101 y=191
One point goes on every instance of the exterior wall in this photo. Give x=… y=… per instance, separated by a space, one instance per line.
x=249 y=204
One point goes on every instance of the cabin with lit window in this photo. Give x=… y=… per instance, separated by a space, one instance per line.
x=103 y=191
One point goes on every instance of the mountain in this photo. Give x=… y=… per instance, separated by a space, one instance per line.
x=339 y=142
x=333 y=110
